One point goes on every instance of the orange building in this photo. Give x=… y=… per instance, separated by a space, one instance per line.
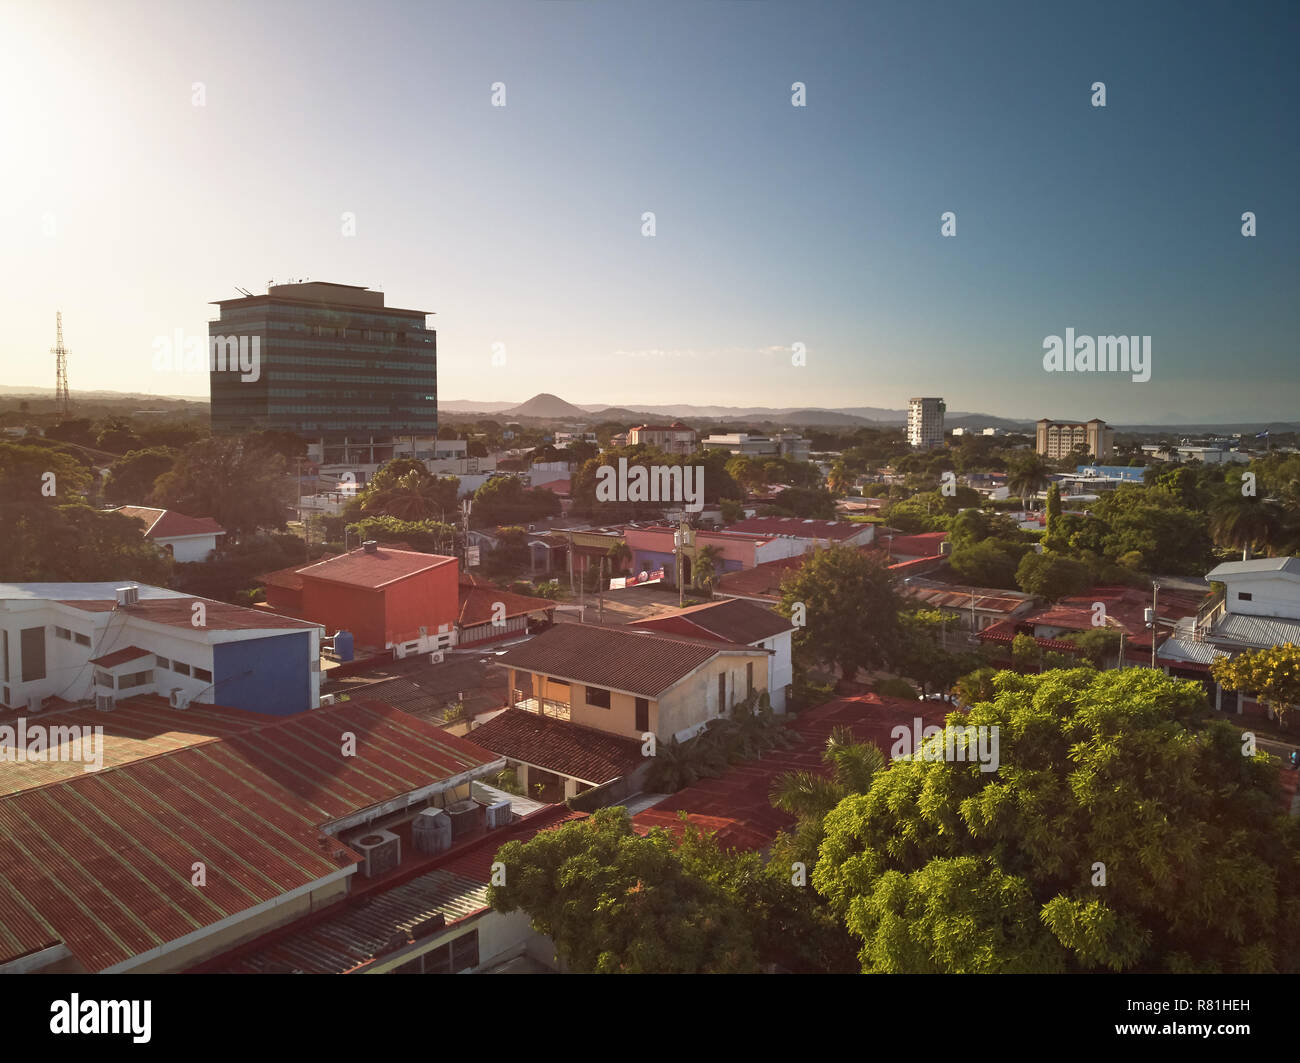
x=399 y=599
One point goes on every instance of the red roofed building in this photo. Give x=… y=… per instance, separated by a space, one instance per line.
x=737 y=805
x=187 y=539
x=389 y=599
x=488 y=613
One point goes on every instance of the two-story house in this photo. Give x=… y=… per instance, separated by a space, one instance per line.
x=583 y=697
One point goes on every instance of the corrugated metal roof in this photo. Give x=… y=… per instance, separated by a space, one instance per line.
x=633 y=660
x=579 y=752
x=107 y=858
x=1259 y=631
x=139 y=727
x=395 y=754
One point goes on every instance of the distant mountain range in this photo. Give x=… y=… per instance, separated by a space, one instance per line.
x=548 y=407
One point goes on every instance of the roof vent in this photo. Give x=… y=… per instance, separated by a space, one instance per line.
x=370 y=546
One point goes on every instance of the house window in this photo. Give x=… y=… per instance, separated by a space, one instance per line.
x=458 y=955
x=749 y=677
x=32 y=644
x=642 y=714
x=81 y=640
x=103 y=679
x=180 y=668
x=135 y=679
x=598 y=697
x=722 y=692
x=1245 y=596
x=63 y=633
x=203 y=675
x=162 y=662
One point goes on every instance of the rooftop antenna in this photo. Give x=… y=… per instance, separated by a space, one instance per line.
x=62 y=400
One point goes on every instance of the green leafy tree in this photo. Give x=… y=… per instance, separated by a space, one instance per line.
x=1052 y=577
x=414 y=495
x=615 y=902
x=849 y=609
x=975 y=686
x=1053 y=539
x=46 y=542
x=1272 y=675
x=239 y=484
x=505 y=500
x=23 y=475
x=990 y=563
x=132 y=477
x=117 y=437
x=942 y=867
x=705 y=569
x=1025 y=652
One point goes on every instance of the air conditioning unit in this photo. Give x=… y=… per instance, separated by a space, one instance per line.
x=127 y=596
x=178 y=699
x=431 y=831
x=326 y=699
x=466 y=818
x=104 y=702
x=437 y=657
x=381 y=852
x=34 y=702
x=498 y=815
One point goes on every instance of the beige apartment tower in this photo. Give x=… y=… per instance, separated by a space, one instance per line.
x=925 y=423
x=1057 y=439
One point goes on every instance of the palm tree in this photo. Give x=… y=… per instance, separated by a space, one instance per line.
x=705 y=568
x=809 y=796
x=620 y=554
x=1028 y=478
x=411 y=497
x=1247 y=523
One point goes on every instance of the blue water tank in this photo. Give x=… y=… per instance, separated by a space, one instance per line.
x=343 y=645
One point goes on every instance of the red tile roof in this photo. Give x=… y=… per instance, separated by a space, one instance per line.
x=361 y=569
x=644 y=663
x=731 y=619
x=1125 y=608
x=737 y=806
x=796 y=526
x=168 y=524
x=558 y=487
x=583 y=753
x=177 y=612
x=761 y=581
x=924 y=544
x=127 y=653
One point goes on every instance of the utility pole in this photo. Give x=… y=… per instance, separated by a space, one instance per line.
x=1155 y=618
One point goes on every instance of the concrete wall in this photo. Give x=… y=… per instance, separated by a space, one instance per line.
x=1272 y=594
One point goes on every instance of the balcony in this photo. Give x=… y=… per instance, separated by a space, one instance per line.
x=558 y=710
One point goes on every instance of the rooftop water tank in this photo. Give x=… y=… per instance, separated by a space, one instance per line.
x=343 y=645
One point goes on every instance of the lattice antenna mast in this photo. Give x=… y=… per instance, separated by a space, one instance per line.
x=62 y=400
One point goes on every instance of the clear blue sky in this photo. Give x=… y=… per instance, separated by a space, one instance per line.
x=775 y=224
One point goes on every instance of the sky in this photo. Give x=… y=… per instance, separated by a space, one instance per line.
x=154 y=156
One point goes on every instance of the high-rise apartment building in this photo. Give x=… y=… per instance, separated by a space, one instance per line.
x=925 y=422
x=1057 y=439
x=328 y=362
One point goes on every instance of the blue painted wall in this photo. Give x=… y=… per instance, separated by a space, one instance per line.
x=270 y=675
